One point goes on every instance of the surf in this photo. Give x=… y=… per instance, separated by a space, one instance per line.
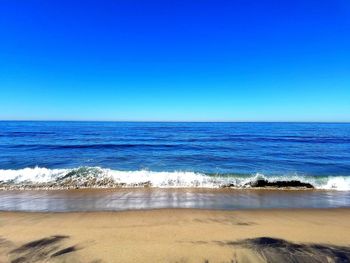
x=98 y=177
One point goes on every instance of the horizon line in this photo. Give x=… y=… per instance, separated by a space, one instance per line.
x=172 y=121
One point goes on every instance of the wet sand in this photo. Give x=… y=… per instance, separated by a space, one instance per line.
x=177 y=235
x=154 y=198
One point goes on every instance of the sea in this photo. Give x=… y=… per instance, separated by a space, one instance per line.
x=53 y=155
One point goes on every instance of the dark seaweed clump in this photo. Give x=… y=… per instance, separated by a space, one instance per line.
x=280 y=184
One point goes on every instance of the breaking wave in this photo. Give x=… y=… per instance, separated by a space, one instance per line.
x=97 y=177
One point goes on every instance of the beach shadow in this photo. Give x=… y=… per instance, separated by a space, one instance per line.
x=274 y=250
x=39 y=244
x=42 y=250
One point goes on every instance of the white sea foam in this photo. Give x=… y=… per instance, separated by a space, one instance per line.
x=31 y=175
x=101 y=177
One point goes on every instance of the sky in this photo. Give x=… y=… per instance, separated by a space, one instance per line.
x=237 y=60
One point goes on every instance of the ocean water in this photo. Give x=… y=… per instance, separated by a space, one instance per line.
x=170 y=155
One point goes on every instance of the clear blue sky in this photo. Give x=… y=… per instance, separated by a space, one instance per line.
x=175 y=60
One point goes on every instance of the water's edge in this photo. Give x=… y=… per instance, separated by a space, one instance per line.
x=97 y=177
x=159 y=198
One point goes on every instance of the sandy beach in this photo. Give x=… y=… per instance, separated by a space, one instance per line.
x=177 y=235
x=175 y=131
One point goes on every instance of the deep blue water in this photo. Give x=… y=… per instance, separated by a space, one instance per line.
x=308 y=149
x=243 y=148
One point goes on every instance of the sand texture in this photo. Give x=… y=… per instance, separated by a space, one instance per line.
x=177 y=235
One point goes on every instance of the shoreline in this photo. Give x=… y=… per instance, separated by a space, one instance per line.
x=178 y=188
x=177 y=235
x=180 y=209
x=156 y=198
x=99 y=177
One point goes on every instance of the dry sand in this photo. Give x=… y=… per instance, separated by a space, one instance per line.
x=177 y=235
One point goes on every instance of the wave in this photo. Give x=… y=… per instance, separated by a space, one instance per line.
x=102 y=146
x=97 y=177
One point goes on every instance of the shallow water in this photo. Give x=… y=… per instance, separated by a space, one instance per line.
x=155 y=198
